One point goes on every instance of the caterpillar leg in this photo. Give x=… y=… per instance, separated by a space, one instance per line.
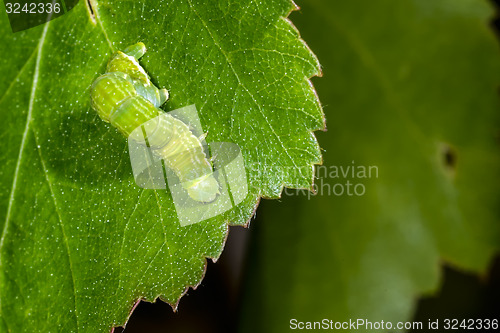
x=213 y=158
x=203 y=136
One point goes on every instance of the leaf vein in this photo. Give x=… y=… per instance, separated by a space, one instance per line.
x=23 y=141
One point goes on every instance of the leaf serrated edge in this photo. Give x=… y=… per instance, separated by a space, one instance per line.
x=318 y=73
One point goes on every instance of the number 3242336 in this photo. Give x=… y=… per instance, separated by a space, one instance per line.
x=471 y=324
x=32 y=8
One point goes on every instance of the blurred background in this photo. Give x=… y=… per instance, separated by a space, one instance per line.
x=216 y=305
x=279 y=269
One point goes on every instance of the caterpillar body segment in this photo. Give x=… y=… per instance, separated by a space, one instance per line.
x=183 y=152
x=126 y=98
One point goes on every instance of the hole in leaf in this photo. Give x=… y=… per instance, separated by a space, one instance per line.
x=449 y=157
x=91 y=10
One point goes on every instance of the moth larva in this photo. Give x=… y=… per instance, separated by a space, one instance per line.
x=125 y=97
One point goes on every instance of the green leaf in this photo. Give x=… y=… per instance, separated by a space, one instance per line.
x=410 y=87
x=81 y=243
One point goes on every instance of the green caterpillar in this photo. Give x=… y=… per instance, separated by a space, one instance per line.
x=125 y=97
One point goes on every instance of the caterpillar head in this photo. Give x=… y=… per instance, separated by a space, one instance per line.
x=204 y=189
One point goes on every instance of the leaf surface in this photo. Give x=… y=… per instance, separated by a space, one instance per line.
x=81 y=243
